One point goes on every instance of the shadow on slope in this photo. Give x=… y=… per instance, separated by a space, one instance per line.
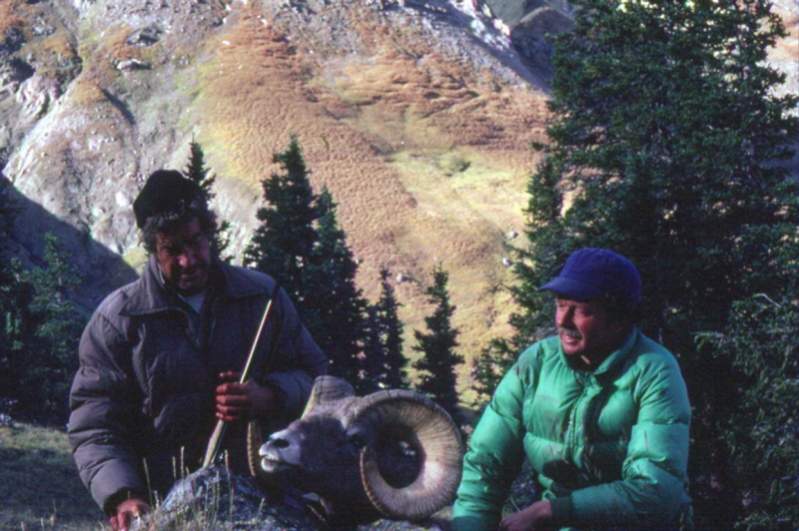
x=509 y=58
x=39 y=483
x=101 y=269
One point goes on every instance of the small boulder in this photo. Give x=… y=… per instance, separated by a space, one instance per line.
x=132 y=64
x=146 y=36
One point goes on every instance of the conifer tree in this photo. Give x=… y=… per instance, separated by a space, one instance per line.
x=300 y=244
x=666 y=132
x=11 y=297
x=56 y=322
x=547 y=245
x=197 y=171
x=762 y=437
x=437 y=346
x=39 y=325
x=374 y=351
x=396 y=376
x=333 y=306
x=282 y=244
x=385 y=363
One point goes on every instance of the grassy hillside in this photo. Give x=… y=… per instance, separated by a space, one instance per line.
x=426 y=156
x=39 y=483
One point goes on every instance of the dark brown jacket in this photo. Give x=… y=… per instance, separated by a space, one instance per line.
x=141 y=402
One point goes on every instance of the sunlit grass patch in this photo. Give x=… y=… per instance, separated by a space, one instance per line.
x=463 y=185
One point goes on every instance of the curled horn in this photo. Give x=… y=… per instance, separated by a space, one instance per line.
x=435 y=438
x=325 y=389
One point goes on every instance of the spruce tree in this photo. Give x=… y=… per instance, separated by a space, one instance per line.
x=333 y=306
x=12 y=293
x=438 y=359
x=385 y=363
x=50 y=331
x=666 y=134
x=197 y=171
x=300 y=244
x=396 y=376
x=761 y=439
x=374 y=351
x=282 y=245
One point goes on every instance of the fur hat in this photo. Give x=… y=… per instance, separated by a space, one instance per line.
x=165 y=192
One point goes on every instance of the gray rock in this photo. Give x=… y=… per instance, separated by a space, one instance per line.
x=42 y=28
x=532 y=36
x=146 y=36
x=133 y=64
x=213 y=498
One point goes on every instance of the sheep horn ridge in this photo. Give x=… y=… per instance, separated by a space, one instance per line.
x=435 y=438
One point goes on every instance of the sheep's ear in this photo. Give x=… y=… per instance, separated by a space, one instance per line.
x=435 y=439
x=327 y=389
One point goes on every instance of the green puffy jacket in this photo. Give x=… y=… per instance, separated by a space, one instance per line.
x=610 y=447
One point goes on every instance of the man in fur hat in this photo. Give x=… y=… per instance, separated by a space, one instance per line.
x=159 y=359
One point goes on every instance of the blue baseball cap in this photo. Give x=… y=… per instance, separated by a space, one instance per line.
x=593 y=273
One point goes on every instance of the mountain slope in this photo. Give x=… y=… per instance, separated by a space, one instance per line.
x=417 y=115
x=420 y=129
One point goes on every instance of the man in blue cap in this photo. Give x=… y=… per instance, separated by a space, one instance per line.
x=600 y=411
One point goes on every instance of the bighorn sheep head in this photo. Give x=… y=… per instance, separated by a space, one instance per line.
x=394 y=453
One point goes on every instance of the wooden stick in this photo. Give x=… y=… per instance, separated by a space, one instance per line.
x=215 y=442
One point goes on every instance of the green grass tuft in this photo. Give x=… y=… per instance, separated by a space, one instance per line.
x=39 y=484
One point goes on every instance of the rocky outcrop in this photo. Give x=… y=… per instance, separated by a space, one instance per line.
x=532 y=35
x=212 y=498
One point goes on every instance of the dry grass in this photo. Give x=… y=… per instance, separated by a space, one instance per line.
x=56 y=50
x=389 y=131
x=10 y=15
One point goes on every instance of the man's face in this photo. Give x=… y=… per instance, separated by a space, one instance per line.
x=586 y=330
x=184 y=257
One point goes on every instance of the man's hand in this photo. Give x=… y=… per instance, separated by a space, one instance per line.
x=127 y=509
x=235 y=401
x=532 y=518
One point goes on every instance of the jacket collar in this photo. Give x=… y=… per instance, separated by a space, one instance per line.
x=614 y=360
x=154 y=296
x=617 y=356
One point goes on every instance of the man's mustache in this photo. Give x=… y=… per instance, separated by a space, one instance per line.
x=570 y=332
